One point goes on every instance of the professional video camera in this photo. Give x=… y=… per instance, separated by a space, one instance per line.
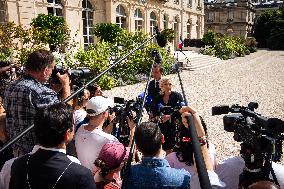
x=76 y=75
x=123 y=110
x=261 y=139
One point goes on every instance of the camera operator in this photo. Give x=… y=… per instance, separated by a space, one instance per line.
x=167 y=125
x=95 y=90
x=261 y=145
x=91 y=137
x=230 y=169
x=24 y=96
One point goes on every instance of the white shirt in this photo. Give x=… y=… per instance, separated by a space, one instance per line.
x=5 y=173
x=78 y=116
x=89 y=144
x=215 y=181
x=230 y=169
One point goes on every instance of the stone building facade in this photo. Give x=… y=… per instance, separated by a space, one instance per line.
x=231 y=18
x=186 y=17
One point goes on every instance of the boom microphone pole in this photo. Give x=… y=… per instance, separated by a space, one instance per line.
x=157 y=60
x=15 y=139
x=200 y=165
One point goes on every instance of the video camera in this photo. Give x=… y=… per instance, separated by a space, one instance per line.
x=261 y=139
x=124 y=109
x=76 y=75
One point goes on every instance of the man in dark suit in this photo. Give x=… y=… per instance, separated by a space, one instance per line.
x=154 y=86
x=49 y=167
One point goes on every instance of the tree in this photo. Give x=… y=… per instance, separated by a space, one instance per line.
x=51 y=30
x=107 y=32
x=268 y=26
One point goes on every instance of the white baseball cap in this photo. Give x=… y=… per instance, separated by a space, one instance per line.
x=98 y=104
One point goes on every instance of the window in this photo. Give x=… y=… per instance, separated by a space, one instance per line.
x=120 y=16
x=189 y=3
x=176 y=2
x=210 y=16
x=166 y=21
x=198 y=27
x=230 y=15
x=88 y=25
x=2 y=12
x=55 y=7
x=138 y=17
x=176 y=29
x=188 y=29
x=153 y=22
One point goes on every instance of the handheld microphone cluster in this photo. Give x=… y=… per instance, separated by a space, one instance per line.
x=161 y=39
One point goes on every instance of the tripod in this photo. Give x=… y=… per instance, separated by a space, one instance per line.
x=258 y=167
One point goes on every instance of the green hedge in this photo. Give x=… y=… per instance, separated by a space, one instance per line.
x=17 y=43
x=226 y=47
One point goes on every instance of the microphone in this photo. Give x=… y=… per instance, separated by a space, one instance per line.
x=160 y=38
x=157 y=56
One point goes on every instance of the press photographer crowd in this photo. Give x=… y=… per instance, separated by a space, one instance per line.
x=93 y=141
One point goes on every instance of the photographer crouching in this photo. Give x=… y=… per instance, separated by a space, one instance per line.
x=25 y=95
x=166 y=99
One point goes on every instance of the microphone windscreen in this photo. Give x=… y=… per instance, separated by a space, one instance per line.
x=160 y=106
x=161 y=40
x=158 y=58
x=182 y=103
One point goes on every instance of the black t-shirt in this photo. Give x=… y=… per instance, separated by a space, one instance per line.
x=175 y=100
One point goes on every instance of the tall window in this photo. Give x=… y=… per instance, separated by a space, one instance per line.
x=210 y=16
x=120 y=16
x=189 y=3
x=2 y=12
x=55 y=7
x=176 y=29
x=138 y=20
x=230 y=15
x=198 y=27
x=166 y=21
x=188 y=29
x=153 y=22
x=88 y=24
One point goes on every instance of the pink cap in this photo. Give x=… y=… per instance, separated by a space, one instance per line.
x=113 y=154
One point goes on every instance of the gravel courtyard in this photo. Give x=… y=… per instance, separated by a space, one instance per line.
x=258 y=77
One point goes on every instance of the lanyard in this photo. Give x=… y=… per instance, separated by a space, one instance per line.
x=28 y=181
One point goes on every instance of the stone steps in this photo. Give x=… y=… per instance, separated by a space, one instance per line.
x=197 y=61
